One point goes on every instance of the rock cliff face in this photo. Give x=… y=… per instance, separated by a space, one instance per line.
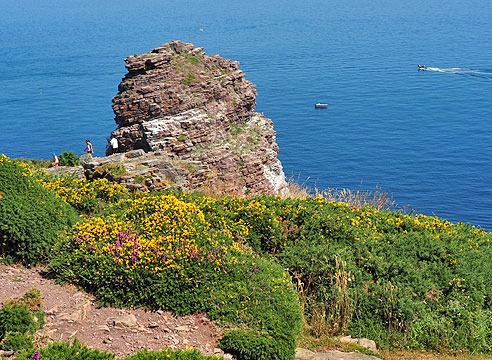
x=197 y=107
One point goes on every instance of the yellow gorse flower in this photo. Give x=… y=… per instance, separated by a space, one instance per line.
x=171 y=233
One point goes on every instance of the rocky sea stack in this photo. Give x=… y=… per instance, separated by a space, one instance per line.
x=179 y=103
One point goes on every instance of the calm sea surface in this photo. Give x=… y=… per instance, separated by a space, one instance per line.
x=425 y=137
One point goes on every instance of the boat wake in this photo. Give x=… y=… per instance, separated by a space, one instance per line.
x=480 y=73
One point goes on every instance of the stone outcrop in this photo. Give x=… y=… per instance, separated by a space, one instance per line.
x=369 y=344
x=303 y=354
x=151 y=171
x=138 y=170
x=199 y=108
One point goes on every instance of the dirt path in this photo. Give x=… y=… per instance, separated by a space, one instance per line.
x=72 y=313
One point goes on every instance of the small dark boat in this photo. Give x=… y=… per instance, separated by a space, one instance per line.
x=422 y=67
x=320 y=106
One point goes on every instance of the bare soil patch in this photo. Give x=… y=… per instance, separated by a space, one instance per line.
x=73 y=313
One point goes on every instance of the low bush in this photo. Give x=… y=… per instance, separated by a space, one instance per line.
x=76 y=350
x=17 y=342
x=64 y=351
x=20 y=317
x=16 y=318
x=168 y=354
x=31 y=217
x=68 y=158
x=140 y=251
x=87 y=196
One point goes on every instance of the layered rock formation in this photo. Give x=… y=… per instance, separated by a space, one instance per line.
x=199 y=108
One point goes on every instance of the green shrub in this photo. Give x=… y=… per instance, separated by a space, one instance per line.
x=64 y=351
x=16 y=318
x=236 y=129
x=31 y=217
x=68 y=158
x=249 y=345
x=76 y=350
x=18 y=342
x=168 y=354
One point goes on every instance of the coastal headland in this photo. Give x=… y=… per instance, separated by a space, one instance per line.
x=198 y=108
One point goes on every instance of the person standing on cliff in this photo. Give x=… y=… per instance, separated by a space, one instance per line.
x=88 y=149
x=114 y=145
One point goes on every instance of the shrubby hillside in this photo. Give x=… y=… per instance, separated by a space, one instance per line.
x=403 y=281
x=261 y=265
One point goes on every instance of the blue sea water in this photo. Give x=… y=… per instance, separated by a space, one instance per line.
x=425 y=137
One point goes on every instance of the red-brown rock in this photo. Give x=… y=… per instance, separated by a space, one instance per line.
x=198 y=107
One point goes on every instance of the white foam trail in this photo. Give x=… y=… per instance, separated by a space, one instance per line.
x=486 y=74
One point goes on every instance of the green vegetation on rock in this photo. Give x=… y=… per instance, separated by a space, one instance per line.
x=68 y=158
